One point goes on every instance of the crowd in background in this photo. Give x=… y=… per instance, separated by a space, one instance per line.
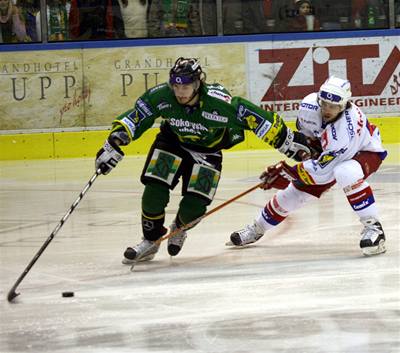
x=20 y=20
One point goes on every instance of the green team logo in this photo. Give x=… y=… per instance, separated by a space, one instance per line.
x=204 y=181
x=163 y=166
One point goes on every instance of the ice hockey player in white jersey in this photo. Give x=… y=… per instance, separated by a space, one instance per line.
x=351 y=150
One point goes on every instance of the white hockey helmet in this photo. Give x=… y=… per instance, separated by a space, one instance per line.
x=335 y=91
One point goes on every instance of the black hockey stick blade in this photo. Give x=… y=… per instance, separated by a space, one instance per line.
x=12 y=295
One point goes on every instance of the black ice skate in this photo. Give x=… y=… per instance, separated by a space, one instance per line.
x=372 y=237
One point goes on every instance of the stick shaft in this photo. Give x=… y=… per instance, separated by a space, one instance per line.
x=12 y=294
x=215 y=209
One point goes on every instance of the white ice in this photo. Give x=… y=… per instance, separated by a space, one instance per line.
x=303 y=288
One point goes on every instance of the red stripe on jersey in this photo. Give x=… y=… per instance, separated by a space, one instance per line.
x=371 y=128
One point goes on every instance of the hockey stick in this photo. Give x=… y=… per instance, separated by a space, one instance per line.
x=12 y=294
x=197 y=220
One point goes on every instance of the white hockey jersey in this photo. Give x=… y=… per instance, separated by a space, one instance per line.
x=340 y=140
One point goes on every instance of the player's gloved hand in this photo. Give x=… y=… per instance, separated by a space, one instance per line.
x=108 y=156
x=315 y=147
x=278 y=176
x=296 y=146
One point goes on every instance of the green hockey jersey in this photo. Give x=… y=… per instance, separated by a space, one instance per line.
x=217 y=122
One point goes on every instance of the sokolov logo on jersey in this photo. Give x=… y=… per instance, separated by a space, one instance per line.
x=180 y=123
x=215 y=117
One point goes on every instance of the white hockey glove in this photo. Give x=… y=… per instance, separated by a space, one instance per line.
x=108 y=156
x=296 y=146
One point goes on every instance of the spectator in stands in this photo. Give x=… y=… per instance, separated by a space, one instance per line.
x=12 y=26
x=304 y=20
x=96 y=19
x=134 y=15
x=281 y=12
x=29 y=10
x=57 y=20
x=174 y=18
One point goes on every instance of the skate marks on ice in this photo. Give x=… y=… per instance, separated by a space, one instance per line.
x=302 y=288
x=255 y=307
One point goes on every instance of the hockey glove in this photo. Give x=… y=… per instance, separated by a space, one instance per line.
x=278 y=176
x=295 y=146
x=108 y=156
x=315 y=147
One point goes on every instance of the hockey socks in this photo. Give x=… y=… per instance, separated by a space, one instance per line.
x=271 y=215
x=361 y=199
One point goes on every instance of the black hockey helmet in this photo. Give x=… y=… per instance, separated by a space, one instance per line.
x=185 y=70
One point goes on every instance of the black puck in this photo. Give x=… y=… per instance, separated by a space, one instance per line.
x=67 y=294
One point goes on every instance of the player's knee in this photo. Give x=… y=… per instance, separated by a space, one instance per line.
x=348 y=173
x=291 y=198
x=192 y=207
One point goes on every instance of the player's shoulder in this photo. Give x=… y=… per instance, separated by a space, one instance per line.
x=310 y=103
x=156 y=98
x=161 y=90
x=354 y=113
x=309 y=114
x=217 y=91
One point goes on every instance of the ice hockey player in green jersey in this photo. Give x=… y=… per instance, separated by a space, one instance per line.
x=198 y=121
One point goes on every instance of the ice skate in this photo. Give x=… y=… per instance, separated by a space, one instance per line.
x=175 y=243
x=250 y=234
x=144 y=251
x=372 y=237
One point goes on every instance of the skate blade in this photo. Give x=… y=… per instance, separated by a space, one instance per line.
x=126 y=261
x=229 y=243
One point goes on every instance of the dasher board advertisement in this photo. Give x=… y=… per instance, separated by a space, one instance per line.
x=282 y=73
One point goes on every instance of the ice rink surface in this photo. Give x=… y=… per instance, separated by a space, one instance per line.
x=303 y=288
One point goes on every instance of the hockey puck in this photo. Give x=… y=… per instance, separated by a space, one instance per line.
x=67 y=294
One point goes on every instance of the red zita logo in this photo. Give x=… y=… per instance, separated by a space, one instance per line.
x=353 y=56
